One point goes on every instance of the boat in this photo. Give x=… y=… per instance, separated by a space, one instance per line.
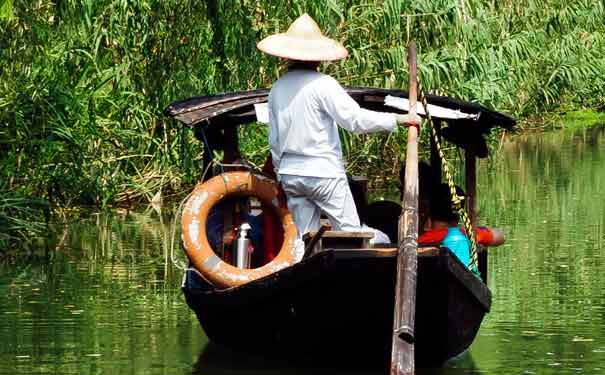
x=336 y=304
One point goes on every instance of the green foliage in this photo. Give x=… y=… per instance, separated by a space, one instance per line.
x=6 y=10
x=82 y=100
x=83 y=83
x=20 y=219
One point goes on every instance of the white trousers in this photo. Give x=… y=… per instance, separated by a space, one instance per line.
x=308 y=197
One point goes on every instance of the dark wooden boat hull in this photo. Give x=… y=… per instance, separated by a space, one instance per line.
x=338 y=306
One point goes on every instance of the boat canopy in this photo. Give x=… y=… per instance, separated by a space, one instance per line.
x=467 y=123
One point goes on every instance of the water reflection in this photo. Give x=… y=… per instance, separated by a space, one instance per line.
x=548 y=193
x=107 y=301
x=106 y=297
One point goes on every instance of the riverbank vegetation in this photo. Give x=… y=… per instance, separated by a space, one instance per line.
x=83 y=83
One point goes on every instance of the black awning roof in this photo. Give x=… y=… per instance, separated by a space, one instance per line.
x=237 y=108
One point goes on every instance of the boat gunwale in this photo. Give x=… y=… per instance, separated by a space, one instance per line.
x=261 y=288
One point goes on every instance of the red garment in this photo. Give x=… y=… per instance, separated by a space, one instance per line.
x=272 y=228
x=432 y=236
x=485 y=236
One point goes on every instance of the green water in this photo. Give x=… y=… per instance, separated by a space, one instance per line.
x=106 y=302
x=548 y=314
x=105 y=299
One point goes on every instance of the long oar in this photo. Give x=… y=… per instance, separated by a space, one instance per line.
x=402 y=350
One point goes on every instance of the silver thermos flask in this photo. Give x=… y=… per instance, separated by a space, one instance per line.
x=242 y=246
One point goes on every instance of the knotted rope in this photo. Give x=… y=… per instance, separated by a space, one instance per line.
x=456 y=199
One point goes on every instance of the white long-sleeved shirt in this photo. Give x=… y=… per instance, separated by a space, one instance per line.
x=304 y=108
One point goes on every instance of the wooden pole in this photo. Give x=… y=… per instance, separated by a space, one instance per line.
x=402 y=350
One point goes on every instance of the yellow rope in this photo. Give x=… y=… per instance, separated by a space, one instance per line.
x=456 y=200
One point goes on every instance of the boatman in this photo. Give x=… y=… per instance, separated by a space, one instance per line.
x=305 y=107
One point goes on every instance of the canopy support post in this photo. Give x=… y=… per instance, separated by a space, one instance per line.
x=470 y=167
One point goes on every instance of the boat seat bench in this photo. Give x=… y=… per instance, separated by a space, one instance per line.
x=334 y=239
x=348 y=241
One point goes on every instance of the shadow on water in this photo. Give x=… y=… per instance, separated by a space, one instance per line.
x=462 y=364
x=217 y=360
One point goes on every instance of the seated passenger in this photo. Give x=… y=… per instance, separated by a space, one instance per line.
x=384 y=215
x=361 y=204
x=444 y=229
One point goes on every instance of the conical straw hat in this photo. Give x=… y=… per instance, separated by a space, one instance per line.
x=303 y=41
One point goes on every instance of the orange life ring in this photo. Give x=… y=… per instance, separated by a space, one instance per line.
x=193 y=225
